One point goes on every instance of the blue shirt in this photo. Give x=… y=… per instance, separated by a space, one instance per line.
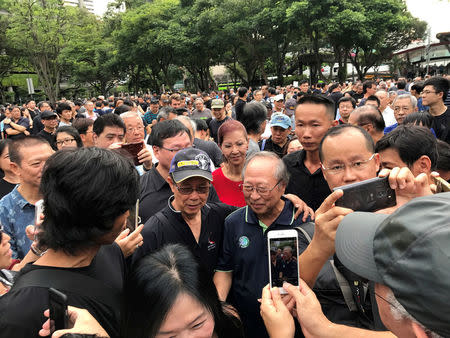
x=390 y=128
x=244 y=252
x=16 y=213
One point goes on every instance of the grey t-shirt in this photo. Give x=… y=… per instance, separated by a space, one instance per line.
x=204 y=114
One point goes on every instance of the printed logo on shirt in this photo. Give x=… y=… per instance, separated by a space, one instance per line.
x=211 y=244
x=244 y=242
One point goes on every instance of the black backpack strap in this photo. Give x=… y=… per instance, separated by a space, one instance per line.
x=73 y=282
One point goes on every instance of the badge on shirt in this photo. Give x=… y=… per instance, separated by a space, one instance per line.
x=244 y=242
x=211 y=244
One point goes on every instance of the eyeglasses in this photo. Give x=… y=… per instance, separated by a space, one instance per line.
x=263 y=191
x=132 y=130
x=189 y=190
x=356 y=165
x=65 y=141
x=426 y=92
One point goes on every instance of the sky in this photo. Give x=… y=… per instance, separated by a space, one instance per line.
x=434 y=12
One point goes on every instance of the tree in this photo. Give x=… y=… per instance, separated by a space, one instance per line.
x=88 y=55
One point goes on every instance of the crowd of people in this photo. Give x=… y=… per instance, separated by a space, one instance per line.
x=151 y=212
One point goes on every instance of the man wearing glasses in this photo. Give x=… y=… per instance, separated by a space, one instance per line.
x=187 y=217
x=167 y=138
x=434 y=93
x=242 y=270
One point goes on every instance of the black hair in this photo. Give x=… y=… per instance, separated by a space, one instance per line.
x=108 y=120
x=271 y=90
x=342 y=128
x=180 y=111
x=366 y=85
x=318 y=99
x=443 y=160
x=439 y=84
x=155 y=283
x=411 y=142
x=72 y=132
x=333 y=87
x=3 y=144
x=78 y=103
x=418 y=87
x=39 y=105
x=253 y=116
x=347 y=99
x=98 y=104
x=373 y=98
x=167 y=129
x=123 y=108
x=401 y=85
x=201 y=124
x=82 y=125
x=242 y=91
x=85 y=190
x=302 y=82
x=422 y=118
x=16 y=144
x=368 y=114
x=63 y=106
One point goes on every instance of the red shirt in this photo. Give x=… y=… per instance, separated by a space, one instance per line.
x=228 y=190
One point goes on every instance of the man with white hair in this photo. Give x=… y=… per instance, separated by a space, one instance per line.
x=200 y=112
x=404 y=105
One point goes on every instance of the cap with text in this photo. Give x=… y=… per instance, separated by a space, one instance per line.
x=190 y=162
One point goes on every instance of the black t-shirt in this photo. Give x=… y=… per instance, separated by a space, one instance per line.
x=51 y=138
x=22 y=311
x=212 y=149
x=239 y=108
x=5 y=187
x=214 y=126
x=310 y=187
x=273 y=147
x=155 y=192
x=441 y=126
x=169 y=227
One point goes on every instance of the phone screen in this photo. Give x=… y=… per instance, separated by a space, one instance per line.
x=283 y=261
x=58 y=310
x=134 y=219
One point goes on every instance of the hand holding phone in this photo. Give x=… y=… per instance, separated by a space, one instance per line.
x=369 y=195
x=282 y=247
x=133 y=149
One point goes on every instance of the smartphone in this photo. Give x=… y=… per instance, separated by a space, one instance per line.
x=441 y=184
x=134 y=220
x=282 y=247
x=38 y=210
x=133 y=149
x=58 y=310
x=369 y=195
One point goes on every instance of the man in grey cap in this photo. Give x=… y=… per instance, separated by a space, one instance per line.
x=280 y=126
x=220 y=116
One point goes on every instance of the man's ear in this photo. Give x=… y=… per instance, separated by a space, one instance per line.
x=171 y=183
x=418 y=330
x=15 y=168
x=422 y=165
x=94 y=138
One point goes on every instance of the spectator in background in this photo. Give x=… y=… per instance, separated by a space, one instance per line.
x=200 y=112
x=345 y=105
x=443 y=160
x=218 y=109
x=67 y=137
x=280 y=126
x=85 y=128
x=369 y=89
x=64 y=111
x=108 y=129
x=233 y=141
x=388 y=112
x=37 y=124
x=50 y=121
x=9 y=179
x=416 y=91
x=369 y=118
x=254 y=120
x=152 y=114
x=294 y=145
x=240 y=103
x=16 y=126
x=89 y=113
x=403 y=105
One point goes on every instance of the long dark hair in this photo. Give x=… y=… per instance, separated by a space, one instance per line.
x=154 y=284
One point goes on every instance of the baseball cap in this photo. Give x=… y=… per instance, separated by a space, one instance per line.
x=190 y=162
x=408 y=251
x=217 y=104
x=280 y=120
x=278 y=97
x=48 y=114
x=290 y=106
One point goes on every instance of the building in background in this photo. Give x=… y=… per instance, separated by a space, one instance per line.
x=88 y=4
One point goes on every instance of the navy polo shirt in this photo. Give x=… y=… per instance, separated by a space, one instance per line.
x=244 y=252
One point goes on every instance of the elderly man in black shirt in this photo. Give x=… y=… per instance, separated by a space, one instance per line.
x=187 y=218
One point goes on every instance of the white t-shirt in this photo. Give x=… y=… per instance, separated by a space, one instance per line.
x=388 y=116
